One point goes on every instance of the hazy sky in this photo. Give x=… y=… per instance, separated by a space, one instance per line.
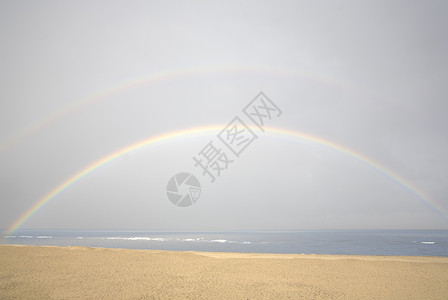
x=369 y=76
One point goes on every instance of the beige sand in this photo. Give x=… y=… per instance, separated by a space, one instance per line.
x=95 y=273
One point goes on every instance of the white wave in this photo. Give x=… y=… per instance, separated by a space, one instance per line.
x=80 y=237
x=192 y=240
x=219 y=241
x=10 y=236
x=44 y=237
x=428 y=243
x=137 y=238
x=238 y=242
x=26 y=236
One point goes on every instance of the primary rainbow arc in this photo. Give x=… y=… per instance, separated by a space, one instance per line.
x=199 y=131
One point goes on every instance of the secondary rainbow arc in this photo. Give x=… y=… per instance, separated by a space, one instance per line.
x=158 y=76
x=200 y=131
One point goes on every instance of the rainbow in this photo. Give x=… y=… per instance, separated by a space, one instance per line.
x=159 y=76
x=201 y=131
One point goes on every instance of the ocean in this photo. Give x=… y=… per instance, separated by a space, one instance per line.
x=344 y=242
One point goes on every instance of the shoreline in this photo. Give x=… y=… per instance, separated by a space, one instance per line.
x=226 y=254
x=84 y=272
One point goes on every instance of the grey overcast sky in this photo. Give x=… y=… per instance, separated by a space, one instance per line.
x=371 y=76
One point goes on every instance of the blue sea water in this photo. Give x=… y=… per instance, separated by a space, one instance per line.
x=346 y=242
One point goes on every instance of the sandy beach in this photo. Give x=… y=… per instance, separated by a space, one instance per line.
x=93 y=273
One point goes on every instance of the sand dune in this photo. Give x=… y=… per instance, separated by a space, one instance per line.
x=93 y=273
